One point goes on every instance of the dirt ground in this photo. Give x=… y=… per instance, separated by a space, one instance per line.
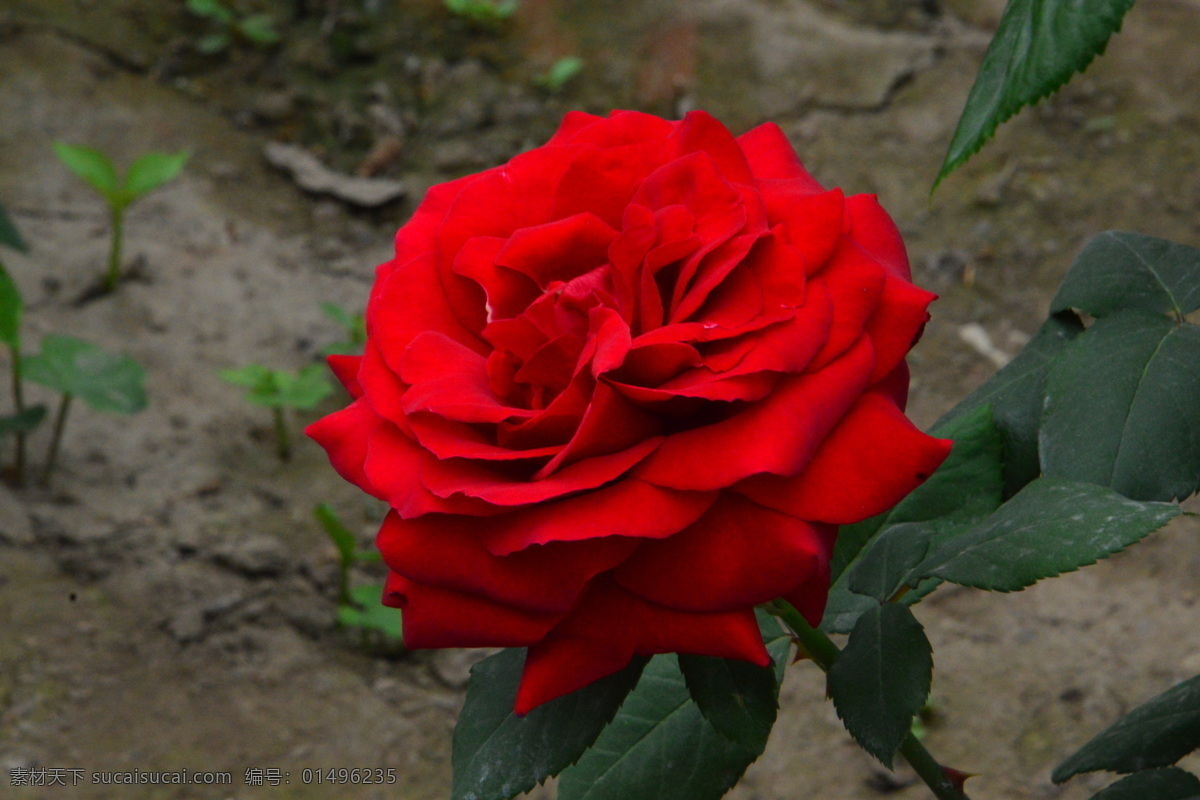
x=168 y=602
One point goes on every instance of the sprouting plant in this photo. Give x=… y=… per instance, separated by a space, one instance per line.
x=358 y=606
x=23 y=420
x=487 y=13
x=145 y=174
x=258 y=29
x=355 y=327
x=561 y=73
x=105 y=381
x=280 y=390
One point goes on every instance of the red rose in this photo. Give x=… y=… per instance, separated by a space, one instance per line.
x=622 y=389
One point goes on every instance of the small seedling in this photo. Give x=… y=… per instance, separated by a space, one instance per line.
x=358 y=606
x=146 y=174
x=258 y=29
x=279 y=391
x=484 y=13
x=560 y=74
x=355 y=327
x=105 y=381
x=23 y=420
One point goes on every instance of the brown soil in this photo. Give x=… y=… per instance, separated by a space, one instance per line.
x=168 y=602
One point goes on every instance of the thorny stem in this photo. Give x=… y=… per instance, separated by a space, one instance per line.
x=60 y=422
x=824 y=653
x=114 y=250
x=19 y=403
x=283 y=442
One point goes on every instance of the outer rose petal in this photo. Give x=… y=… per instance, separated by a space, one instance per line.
x=772 y=157
x=876 y=233
x=436 y=617
x=344 y=435
x=746 y=554
x=897 y=323
x=345 y=369
x=443 y=551
x=610 y=626
x=872 y=460
x=778 y=434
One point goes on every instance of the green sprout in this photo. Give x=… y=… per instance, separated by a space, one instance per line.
x=105 y=381
x=561 y=73
x=279 y=391
x=24 y=419
x=358 y=606
x=258 y=29
x=96 y=169
x=355 y=327
x=484 y=13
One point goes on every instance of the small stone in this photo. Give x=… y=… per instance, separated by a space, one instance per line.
x=255 y=556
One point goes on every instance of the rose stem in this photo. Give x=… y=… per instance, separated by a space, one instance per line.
x=824 y=653
x=19 y=403
x=283 y=443
x=114 y=251
x=60 y=422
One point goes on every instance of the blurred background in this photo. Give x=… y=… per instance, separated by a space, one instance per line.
x=169 y=602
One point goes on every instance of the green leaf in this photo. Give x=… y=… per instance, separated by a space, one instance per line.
x=260 y=29
x=1119 y=271
x=1157 y=733
x=252 y=376
x=882 y=678
x=498 y=755
x=25 y=422
x=91 y=166
x=967 y=487
x=369 y=613
x=738 y=698
x=341 y=537
x=1171 y=783
x=560 y=73
x=105 y=381
x=1038 y=46
x=153 y=170
x=10 y=310
x=1123 y=408
x=658 y=746
x=211 y=9
x=304 y=389
x=889 y=559
x=213 y=43
x=9 y=235
x=1052 y=526
x=1016 y=394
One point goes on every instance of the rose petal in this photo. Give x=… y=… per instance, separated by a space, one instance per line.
x=344 y=435
x=451 y=380
x=435 y=617
x=450 y=439
x=610 y=424
x=700 y=131
x=870 y=461
x=877 y=234
x=609 y=626
x=383 y=388
x=445 y=552
x=559 y=250
x=897 y=323
x=772 y=157
x=737 y=555
x=779 y=434
x=345 y=369
x=508 y=292
x=855 y=285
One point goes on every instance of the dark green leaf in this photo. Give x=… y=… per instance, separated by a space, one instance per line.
x=966 y=488
x=1157 y=733
x=1123 y=408
x=1016 y=395
x=342 y=538
x=1052 y=526
x=369 y=613
x=1119 y=271
x=658 y=746
x=91 y=166
x=738 y=698
x=882 y=678
x=10 y=310
x=498 y=755
x=26 y=421
x=888 y=560
x=9 y=235
x=1171 y=783
x=1038 y=46
x=105 y=381
x=153 y=170
x=212 y=9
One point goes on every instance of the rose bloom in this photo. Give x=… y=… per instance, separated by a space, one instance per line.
x=622 y=389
